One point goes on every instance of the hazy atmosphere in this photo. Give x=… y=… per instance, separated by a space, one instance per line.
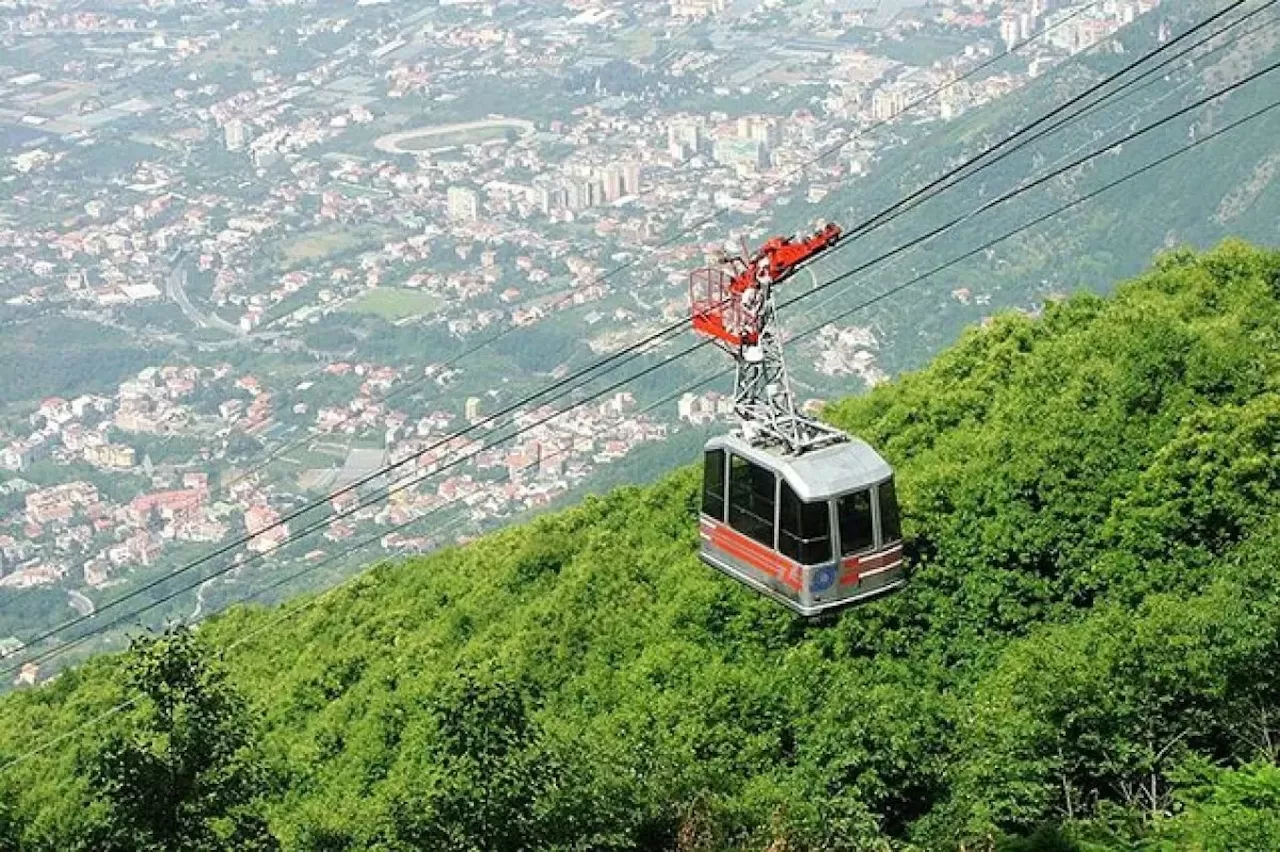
x=686 y=425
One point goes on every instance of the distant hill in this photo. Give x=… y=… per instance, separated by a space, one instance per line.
x=1084 y=658
x=1225 y=187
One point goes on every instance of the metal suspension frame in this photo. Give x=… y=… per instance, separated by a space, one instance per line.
x=762 y=397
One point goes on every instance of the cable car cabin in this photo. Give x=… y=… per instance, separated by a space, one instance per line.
x=816 y=532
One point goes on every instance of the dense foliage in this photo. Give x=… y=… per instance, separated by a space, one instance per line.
x=184 y=773
x=91 y=358
x=1084 y=658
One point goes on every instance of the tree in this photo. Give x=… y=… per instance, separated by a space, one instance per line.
x=1226 y=809
x=9 y=830
x=241 y=445
x=484 y=775
x=330 y=338
x=185 y=773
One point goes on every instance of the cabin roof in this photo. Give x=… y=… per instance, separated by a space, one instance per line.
x=817 y=474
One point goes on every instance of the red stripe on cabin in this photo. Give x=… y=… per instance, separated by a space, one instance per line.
x=853 y=568
x=757 y=555
x=735 y=550
x=754 y=554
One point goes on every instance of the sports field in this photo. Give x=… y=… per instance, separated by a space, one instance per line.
x=393 y=303
x=451 y=135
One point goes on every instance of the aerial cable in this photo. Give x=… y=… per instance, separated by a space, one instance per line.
x=1041 y=219
x=854 y=309
x=1130 y=87
x=1059 y=168
x=628 y=353
x=1151 y=72
x=811 y=309
x=404 y=483
x=1042 y=179
x=1079 y=161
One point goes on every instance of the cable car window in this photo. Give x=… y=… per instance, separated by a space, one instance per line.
x=890 y=520
x=713 y=484
x=751 y=490
x=804 y=532
x=856 y=534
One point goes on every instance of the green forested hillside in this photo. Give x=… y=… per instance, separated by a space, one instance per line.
x=1085 y=657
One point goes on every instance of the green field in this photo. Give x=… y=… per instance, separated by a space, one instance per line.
x=923 y=50
x=393 y=303
x=637 y=44
x=240 y=47
x=315 y=246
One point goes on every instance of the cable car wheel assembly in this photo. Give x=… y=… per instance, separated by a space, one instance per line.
x=796 y=510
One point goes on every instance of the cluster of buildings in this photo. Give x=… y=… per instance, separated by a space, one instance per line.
x=704 y=408
x=634 y=173
x=581 y=187
x=1067 y=29
x=848 y=351
x=554 y=452
x=587 y=185
x=76 y=532
x=57 y=421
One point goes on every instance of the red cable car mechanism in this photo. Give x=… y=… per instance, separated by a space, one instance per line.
x=793 y=508
x=727 y=300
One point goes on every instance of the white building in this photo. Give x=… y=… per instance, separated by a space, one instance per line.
x=464 y=204
x=684 y=139
x=888 y=101
x=237 y=134
x=695 y=9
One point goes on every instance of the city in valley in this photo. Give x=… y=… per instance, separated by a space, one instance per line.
x=251 y=255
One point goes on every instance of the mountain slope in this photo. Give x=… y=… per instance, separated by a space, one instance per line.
x=1090 y=500
x=1222 y=188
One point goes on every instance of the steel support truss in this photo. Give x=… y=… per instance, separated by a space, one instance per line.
x=762 y=395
